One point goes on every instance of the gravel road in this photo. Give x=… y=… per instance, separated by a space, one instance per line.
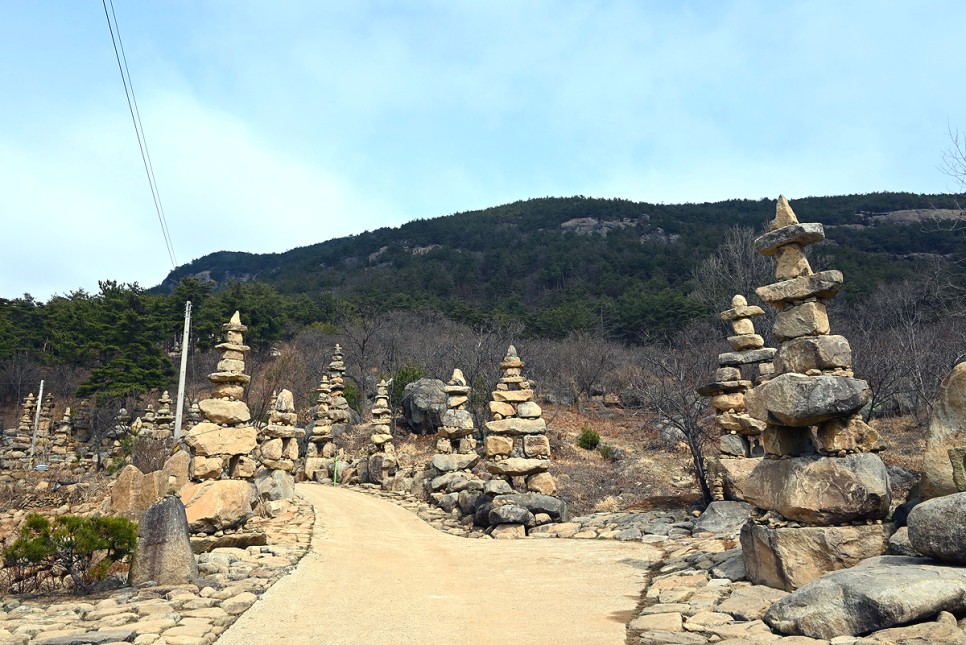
x=378 y=574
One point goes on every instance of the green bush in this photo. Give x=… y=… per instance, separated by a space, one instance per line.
x=81 y=548
x=607 y=452
x=588 y=439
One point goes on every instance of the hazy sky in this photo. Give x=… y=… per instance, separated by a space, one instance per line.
x=275 y=124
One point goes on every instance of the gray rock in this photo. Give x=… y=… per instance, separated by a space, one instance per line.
x=824 y=284
x=453 y=462
x=110 y=635
x=723 y=517
x=515 y=466
x=734 y=445
x=751 y=603
x=813 y=352
x=511 y=514
x=798 y=400
x=809 y=233
x=537 y=503
x=937 y=528
x=734 y=359
x=274 y=485
x=878 y=593
x=495 y=487
x=468 y=500
x=947 y=429
x=164 y=546
x=733 y=569
x=790 y=558
x=424 y=403
x=822 y=490
x=899 y=543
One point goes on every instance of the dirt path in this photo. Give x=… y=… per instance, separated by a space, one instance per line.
x=378 y=574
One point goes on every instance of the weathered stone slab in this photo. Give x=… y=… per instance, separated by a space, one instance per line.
x=458 y=419
x=742 y=311
x=722 y=387
x=536 y=503
x=163 y=552
x=798 y=400
x=879 y=593
x=515 y=466
x=516 y=426
x=733 y=359
x=225 y=411
x=824 y=284
x=802 y=234
x=723 y=517
x=790 y=558
x=448 y=463
x=209 y=439
x=947 y=429
x=806 y=319
x=734 y=476
x=937 y=528
x=813 y=353
x=216 y=505
x=822 y=490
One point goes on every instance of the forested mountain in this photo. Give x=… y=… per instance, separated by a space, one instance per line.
x=565 y=264
x=612 y=270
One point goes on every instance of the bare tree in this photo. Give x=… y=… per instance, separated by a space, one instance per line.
x=673 y=373
x=733 y=268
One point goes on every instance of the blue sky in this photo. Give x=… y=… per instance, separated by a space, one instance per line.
x=273 y=125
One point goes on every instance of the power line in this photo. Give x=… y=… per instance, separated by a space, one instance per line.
x=132 y=106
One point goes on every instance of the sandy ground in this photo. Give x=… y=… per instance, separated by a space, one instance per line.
x=378 y=574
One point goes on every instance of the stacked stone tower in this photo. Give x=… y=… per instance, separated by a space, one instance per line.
x=382 y=461
x=320 y=430
x=518 y=455
x=452 y=485
x=164 y=417
x=740 y=432
x=821 y=485
x=278 y=442
x=338 y=405
x=16 y=441
x=222 y=444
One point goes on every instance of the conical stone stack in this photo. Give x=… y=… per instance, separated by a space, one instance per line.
x=278 y=453
x=16 y=441
x=518 y=457
x=452 y=485
x=338 y=406
x=740 y=432
x=823 y=490
x=164 y=417
x=382 y=462
x=223 y=443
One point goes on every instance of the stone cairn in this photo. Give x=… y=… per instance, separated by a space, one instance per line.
x=740 y=432
x=221 y=444
x=452 y=484
x=320 y=430
x=382 y=461
x=164 y=418
x=822 y=489
x=277 y=454
x=63 y=448
x=16 y=441
x=517 y=458
x=338 y=406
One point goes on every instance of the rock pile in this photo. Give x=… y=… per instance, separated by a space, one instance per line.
x=222 y=444
x=222 y=449
x=740 y=432
x=16 y=441
x=517 y=457
x=319 y=431
x=452 y=485
x=824 y=489
x=338 y=405
x=382 y=454
x=278 y=453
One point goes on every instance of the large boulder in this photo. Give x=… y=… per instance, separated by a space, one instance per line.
x=813 y=353
x=947 y=429
x=225 y=411
x=789 y=558
x=822 y=490
x=879 y=593
x=723 y=517
x=135 y=492
x=536 y=503
x=798 y=400
x=217 y=505
x=937 y=528
x=734 y=476
x=424 y=403
x=164 y=553
x=209 y=439
x=274 y=485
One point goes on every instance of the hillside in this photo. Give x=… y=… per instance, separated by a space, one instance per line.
x=580 y=263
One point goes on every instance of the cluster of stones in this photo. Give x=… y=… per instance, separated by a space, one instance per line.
x=16 y=441
x=230 y=580
x=452 y=485
x=820 y=474
x=223 y=443
x=382 y=454
x=517 y=458
x=331 y=418
x=277 y=453
x=160 y=424
x=740 y=432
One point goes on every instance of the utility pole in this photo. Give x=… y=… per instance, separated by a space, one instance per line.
x=184 y=368
x=33 y=442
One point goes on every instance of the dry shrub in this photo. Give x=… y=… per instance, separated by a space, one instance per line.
x=148 y=454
